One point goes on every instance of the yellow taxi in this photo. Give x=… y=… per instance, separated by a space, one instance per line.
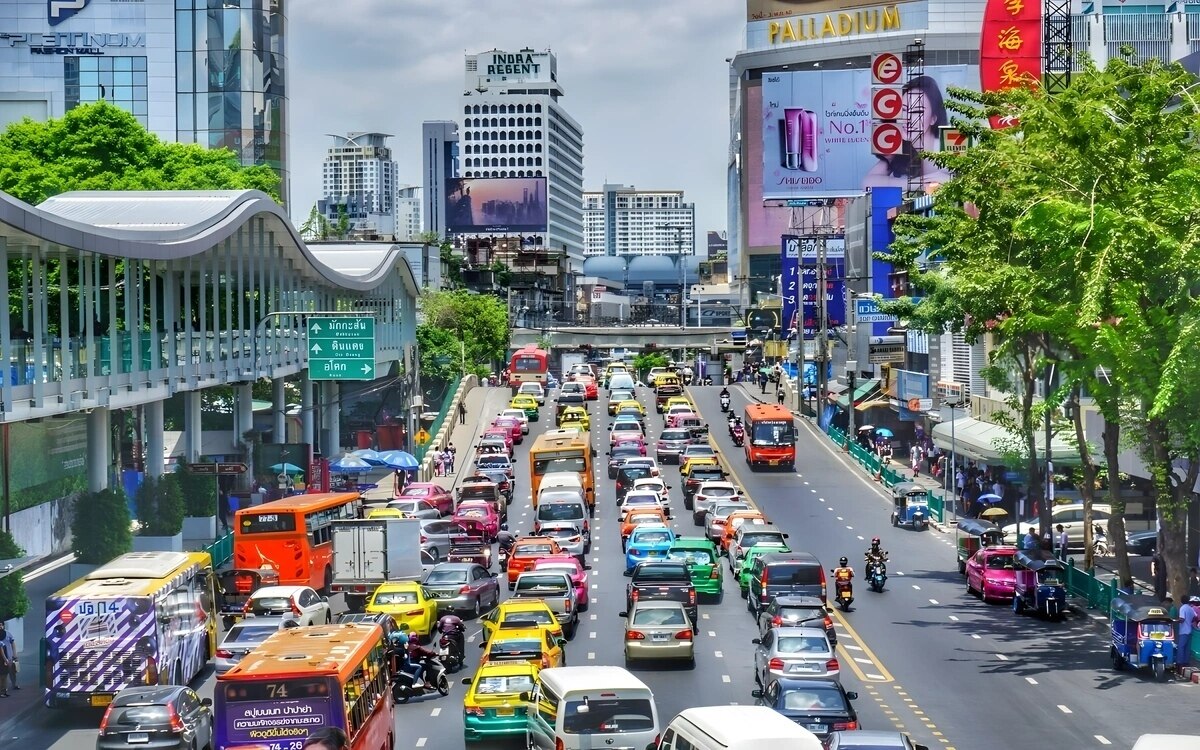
x=527 y=404
x=385 y=513
x=521 y=642
x=686 y=468
x=678 y=401
x=493 y=705
x=575 y=416
x=631 y=404
x=406 y=602
x=523 y=611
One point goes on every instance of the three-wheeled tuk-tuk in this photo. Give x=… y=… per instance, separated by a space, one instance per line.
x=1041 y=584
x=236 y=586
x=1143 y=634
x=910 y=505
x=973 y=533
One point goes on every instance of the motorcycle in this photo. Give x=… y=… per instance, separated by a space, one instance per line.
x=435 y=678
x=732 y=425
x=724 y=402
x=845 y=594
x=707 y=380
x=877 y=577
x=452 y=650
x=739 y=436
x=1099 y=541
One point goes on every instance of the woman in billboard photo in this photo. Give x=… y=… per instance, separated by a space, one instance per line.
x=893 y=171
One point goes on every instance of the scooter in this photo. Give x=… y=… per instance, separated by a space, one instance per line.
x=452 y=650
x=707 y=380
x=877 y=577
x=732 y=424
x=1099 y=541
x=724 y=402
x=845 y=594
x=434 y=675
x=739 y=436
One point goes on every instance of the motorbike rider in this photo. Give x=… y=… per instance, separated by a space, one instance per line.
x=402 y=661
x=417 y=654
x=453 y=627
x=724 y=399
x=843 y=574
x=876 y=554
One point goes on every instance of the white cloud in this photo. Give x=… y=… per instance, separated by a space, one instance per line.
x=646 y=79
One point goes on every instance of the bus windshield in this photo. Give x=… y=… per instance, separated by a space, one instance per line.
x=528 y=364
x=575 y=464
x=773 y=433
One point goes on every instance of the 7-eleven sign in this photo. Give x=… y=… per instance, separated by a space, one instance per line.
x=954 y=139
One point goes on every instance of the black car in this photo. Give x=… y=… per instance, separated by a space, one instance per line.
x=627 y=475
x=819 y=704
x=157 y=718
x=618 y=455
x=1142 y=542
x=796 y=611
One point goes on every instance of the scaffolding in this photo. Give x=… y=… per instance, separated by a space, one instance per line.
x=1056 y=41
x=915 y=124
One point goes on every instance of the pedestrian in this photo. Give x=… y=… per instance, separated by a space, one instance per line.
x=1187 y=621
x=762 y=382
x=437 y=462
x=1158 y=573
x=915 y=455
x=462 y=413
x=960 y=481
x=327 y=738
x=8 y=661
x=223 y=509
x=1063 y=538
x=1193 y=582
x=451 y=454
x=1030 y=542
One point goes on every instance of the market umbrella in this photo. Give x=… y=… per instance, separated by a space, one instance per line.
x=398 y=460
x=990 y=498
x=287 y=469
x=368 y=455
x=993 y=513
x=884 y=432
x=866 y=428
x=349 y=464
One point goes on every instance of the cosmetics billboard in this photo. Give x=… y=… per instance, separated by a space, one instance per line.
x=817 y=131
x=508 y=204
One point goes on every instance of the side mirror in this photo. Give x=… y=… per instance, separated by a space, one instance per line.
x=622 y=614
x=756 y=693
x=325 y=599
x=466 y=680
x=627 y=573
x=482 y=645
x=756 y=641
x=852 y=695
x=526 y=696
x=207 y=702
x=785 y=536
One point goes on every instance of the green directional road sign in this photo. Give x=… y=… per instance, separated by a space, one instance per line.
x=341 y=348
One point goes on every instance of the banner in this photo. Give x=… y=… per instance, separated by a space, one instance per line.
x=481 y=205
x=835 y=284
x=790 y=272
x=1010 y=51
x=817 y=131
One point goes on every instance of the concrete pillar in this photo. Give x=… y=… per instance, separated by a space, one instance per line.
x=99 y=460
x=330 y=414
x=153 y=416
x=191 y=426
x=307 y=418
x=278 y=405
x=243 y=410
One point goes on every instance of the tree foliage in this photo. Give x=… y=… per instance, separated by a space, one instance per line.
x=460 y=327
x=102 y=147
x=14 y=601
x=199 y=493
x=100 y=529
x=160 y=506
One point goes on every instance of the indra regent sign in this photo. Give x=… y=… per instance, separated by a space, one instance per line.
x=341 y=348
x=513 y=64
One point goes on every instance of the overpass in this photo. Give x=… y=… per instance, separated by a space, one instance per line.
x=633 y=337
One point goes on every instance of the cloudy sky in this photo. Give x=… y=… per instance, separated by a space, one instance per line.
x=646 y=79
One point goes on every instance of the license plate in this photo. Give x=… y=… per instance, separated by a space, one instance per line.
x=137 y=738
x=504 y=712
x=815 y=727
x=803 y=668
x=101 y=700
x=660 y=636
x=773 y=462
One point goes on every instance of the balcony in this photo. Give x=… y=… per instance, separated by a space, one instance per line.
x=550 y=283
x=479 y=279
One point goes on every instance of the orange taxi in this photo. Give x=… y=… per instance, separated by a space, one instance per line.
x=639 y=516
x=735 y=520
x=527 y=551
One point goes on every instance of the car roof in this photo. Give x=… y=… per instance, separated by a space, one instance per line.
x=801 y=631
x=772 y=558
x=791 y=683
x=398 y=586
x=798 y=601
x=657 y=604
x=266 y=591
x=871 y=739
x=522 y=605
x=505 y=668
x=153 y=694
x=452 y=566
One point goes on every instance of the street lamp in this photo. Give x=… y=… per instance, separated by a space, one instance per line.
x=950 y=472
x=679 y=229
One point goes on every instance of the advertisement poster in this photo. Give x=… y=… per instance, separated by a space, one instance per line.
x=817 y=131
x=265 y=723
x=507 y=204
x=835 y=285
x=789 y=270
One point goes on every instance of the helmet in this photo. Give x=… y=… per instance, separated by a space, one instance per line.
x=399 y=638
x=843 y=562
x=875 y=541
x=450 y=623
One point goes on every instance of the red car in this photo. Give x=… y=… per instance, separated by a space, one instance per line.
x=478 y=515
x=624 y=442
x=499 y=433
x=437 y=495
x=573 y=568
x=512 y=425
x=591 y=391
x=991 y=573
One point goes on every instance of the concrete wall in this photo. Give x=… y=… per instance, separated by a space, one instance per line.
x=45 y=529
x=425 y=473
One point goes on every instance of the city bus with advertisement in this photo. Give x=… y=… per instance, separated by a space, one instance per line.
x=300 y=680
x=563 y=450
x=144 y=618
x=529 y=364
x=293 y=536
x=770 y=436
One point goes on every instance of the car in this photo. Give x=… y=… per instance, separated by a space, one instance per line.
x=501 y=434
x=643 y=461
x=533 y=389
x=575 y=415
x=670 y=445
x=1142 y=542
x=637 y=442
x=512 y=643
x=525 y=552
x=527 y=404
x=628 y=412
x=591 y=391
x=568 y=534
x=300 y=603
x=409 y=604
x=674 y=401
x=154 y=716
x=517 y=428
x=659 y=630
x=635 y=518
x=565 y=505
x=782 y=572
x=696 y=474
x=794 y=652
x=1070 y=515
x=796 y=611
x=708 y=493
x=627 y=475
x=616 y=398
x=697 y=450
x=479 y=516
x=642 y=498
x=992 y=573
x=243 y=637
x=871 y=740
x=647 y=542
x=519 y=415
x=681 y=418
x=820 y=705
x=715 y=515
x=437 y=495
x=461 y=588
x=522 y=611
x=502 y=481
x=573 y=568
x=487 y=487
x=653 y=484
x=747 y=567
x=413 y=508
x=556 y=589
x=632 y=404
x=494 y=462
x=438 y=536
x=700 y=555
x=654 y=373
x=622 y=451
x=496 y=442
x=385 y=513
x=625 y=429
x=750 y=535
x=492 y=707
x=735 y=521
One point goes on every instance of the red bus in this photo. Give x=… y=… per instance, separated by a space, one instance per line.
x=529 y=364
x=293 y=536
x=302 y=679
x=770 y=436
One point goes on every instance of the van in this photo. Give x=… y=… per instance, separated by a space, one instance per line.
x=573 y=708
x=784 y=574
x=621 y=381
x=556 y=505
x=735 y=728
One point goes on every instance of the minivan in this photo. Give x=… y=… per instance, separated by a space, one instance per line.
x=784 y=574
x=735 y=728
x=564 y=480
x=556 y=505
x=621 y=381
x=586 y=707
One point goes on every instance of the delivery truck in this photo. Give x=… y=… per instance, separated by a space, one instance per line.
x=369 y=552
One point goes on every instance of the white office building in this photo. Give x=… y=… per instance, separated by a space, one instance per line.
x=408 y=213
x=620 y=220
x=515 y=126
x=359 y=179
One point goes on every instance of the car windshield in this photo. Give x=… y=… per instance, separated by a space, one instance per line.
x=627 y=427
x=801 y=644
x=634 y=472
x=723 y=511
x=812 y=699
x=794 y=574
x=699 y=450
x=620 y=395
x=538 y=549
x=504 y=685
x=249 y=633
x=418 y=491
x=662 y=572
x=674 y=435
x=446 y=576
x=608 y=716
x=1000 y=562
x=559 y=511
x=719 y=491
x=396 y=597
x=797 y=614
x=751 y=538
x=641 y=498
x=705 y=473
x=659 y=616
x=471 y=513
x=575 y=465
x=499 y=461
x=691 y=556
x=652 y=536
x=514 y=647
x=541 y=583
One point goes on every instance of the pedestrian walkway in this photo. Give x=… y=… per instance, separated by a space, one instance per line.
x=21 y=704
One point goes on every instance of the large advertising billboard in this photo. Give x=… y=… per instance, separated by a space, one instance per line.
x=505 y=204
x=817 y=131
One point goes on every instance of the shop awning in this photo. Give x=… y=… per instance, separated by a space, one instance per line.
x=866 y=388
x=986 y=442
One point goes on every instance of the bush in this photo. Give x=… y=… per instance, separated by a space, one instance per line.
x=13 y=600
x=199 y=493
x=100 y=530
x=160 y=507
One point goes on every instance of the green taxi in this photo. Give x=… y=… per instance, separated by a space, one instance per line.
x=527 y=404
x=704 y=564
x=493 y=705
x=743 y=574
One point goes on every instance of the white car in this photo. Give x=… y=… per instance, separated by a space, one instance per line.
x=300 y=603
x=751 y=535
x=1071 y=518
x=655 y=484
x=654 y=373
x=520 y=416
x=710 y=492
x=533 y=389
x=636 y=498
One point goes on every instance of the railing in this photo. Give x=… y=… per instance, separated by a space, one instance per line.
x=221 y=550
x=888 y=477
x=447 y=400
x=1085 y=585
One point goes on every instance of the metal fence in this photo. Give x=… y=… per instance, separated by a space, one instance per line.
x=221 y=550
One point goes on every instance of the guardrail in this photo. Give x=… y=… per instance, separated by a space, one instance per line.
x=443 y=413
x=221 y=550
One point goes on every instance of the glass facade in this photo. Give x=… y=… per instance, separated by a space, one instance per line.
x=230 y=61
x=117 y=80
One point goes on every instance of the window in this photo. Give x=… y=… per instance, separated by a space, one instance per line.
x=547 y=706
x=466 y=110
x=121 y=81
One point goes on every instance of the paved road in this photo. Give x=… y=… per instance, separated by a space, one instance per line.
x=924 y=657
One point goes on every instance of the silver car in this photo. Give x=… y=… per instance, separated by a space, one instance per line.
x=568 y=534
x=462 y=588
x=794 y=652
x=413 y=508
x=244 y=637
x=710 y=492
x=558 y=592
x=714 y=518
x=670 y=445
x=437 y=535
x=659 y=630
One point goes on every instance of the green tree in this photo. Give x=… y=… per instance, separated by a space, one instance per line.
x=100 y=529
x=646 y=360
x=341 y=228
x=160 y=506
x=457 y=327
x=316 y=226
x=199 y=493
x=14 y=601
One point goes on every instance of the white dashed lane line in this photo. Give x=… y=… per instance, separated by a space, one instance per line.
x=1001 y=657
x=1064 y=709
x=1031 y=681
x=718 y=654
x=915 y=586
x=421 y=741
x=1102 y=739
x=725 y=678
x=934 y=601
x=435 y=712
x=953 y=618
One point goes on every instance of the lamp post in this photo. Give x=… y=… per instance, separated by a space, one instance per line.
x=950 y=473
x=679 y=229
x=851 y=377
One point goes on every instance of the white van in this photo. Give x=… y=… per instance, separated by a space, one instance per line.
x=735 y=728
x=1167 y=742
x=561 y=480
x=590 y=707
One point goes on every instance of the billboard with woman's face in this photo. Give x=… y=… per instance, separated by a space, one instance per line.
x=817 y=131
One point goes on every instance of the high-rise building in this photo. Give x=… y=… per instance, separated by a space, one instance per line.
x=408 y=213
x=188 y=71
x=439 y=161
x=620 y=220
x=514 y=126
x=359 y=179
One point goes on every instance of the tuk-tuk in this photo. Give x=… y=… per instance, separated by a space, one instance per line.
x=236 y=586
x=1041 y=584
x=910 y=506
x=1143 y=634
x=973 y=533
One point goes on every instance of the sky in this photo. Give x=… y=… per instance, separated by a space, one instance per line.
x=647 y=80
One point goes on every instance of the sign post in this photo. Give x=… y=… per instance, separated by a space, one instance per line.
x=341 y=348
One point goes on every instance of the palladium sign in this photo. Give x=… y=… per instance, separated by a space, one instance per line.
x=72 y=43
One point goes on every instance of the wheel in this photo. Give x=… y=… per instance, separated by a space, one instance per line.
x=970 y=588
x=475 y=610
x=895 y=520
x=691 y=663
x=749 y=603
x=443 y=685
x=585 y=605
x=435 y=555
x=571 y=629
x=327 y=589
x=1117 y=660
x=1159 y=668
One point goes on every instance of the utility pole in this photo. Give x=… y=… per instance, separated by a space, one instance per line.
x=823 y=328
x=679 y=229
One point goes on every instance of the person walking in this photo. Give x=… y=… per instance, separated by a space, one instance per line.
x=451 y=454
x=8 y=657
x=762 y=381
x=1187 y=622
x=438 y=464
x=1061 y=541
x=462 y=413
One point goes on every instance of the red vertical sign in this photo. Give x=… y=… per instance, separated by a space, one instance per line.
x=1010 y=52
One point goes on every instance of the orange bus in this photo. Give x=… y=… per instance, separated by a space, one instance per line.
x=293 y=536
x=302 y=679
x=770 y=436
x=529 y=364
x=563 y=450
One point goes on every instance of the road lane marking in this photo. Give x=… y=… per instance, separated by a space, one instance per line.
x=953 y=618
x=840 y=518
x=725 y=678
x=854 y=648
x=850 y=528
x=703 y=615
x=1031 y=681
x=435 y=712
x=592 y=634
x=1001 y=657
x=421 y=741
x=976 y=637
x=915 y=586
x=591 y=617
x=595 y=585
x=591 y=655
x=861 y=538
x=1101 y=739
x=882 y=674
x=712 y=634
x=934 y=601
x=863 y=661
x=1064 y=709
x=718 y=654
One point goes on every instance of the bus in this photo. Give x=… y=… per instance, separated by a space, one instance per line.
x=302 y=679
x=529 y=364
x=563 y=450
x=293 y=536
x=770 y=436
x=145 y=618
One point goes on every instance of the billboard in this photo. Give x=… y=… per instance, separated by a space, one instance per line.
x=764 y=10
x=504 y=204
x=817 y=129
x=810 y=279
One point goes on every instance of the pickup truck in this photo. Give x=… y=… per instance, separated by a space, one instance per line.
x=670 y=581
x=556 y=590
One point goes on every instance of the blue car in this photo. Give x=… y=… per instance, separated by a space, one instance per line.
x=647 y=542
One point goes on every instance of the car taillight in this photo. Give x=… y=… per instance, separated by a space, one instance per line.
x=176 y=722
x=828 y=622
x=777 y=620
x=683 y=635
x=715 y=572
x=465 y=590
x=545 y=662
x=634 y=635
x=567 y=603
x=692 y=596
x=763 y=580
x=104 y=721
x=473 y=710
x=558 y=744
x=822 y=584
x=635 y=595
x=424 y=539
x=296 y=610
x=414 y=612
x=832 y=666
x=775 y=663
x=845 y=726
x=224 y=654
